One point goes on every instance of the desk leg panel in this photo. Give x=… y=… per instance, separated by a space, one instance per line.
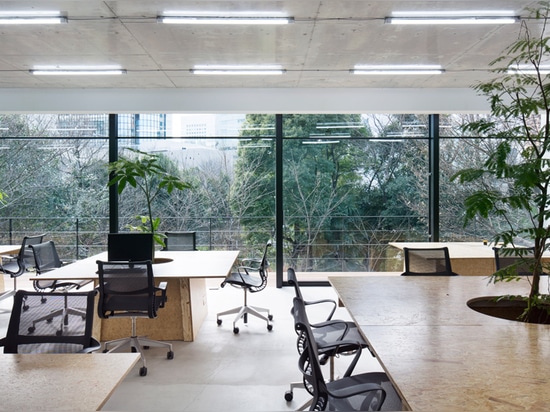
x=174 y=321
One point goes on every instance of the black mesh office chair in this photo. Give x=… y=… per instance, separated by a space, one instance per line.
x=518 y=261
x=180 y=241
x=47 y=259
x=325 y=333
x=15 y=266
x=245 y=279
x=360 y=392
x=24 y=335
x=127 y=289
x=427 y=262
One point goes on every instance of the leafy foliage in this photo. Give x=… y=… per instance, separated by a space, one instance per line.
x=520 y=107
x=145 y=172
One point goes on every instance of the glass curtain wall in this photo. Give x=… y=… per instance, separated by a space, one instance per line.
x=350 y=183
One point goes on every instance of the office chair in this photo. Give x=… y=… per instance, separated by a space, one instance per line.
x=24 y=336
x=16 y=266
x=248 y=282
x=360 y=392
x=127 y=289
x=427 y=262
x=325 y=333
x=180 y=241
x=518 y=261
x=47 y=259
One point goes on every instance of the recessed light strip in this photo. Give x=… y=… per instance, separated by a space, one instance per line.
x=453 y=17
x=70 y=72
x=397 y=70
x=224 y=20
x=238 y=70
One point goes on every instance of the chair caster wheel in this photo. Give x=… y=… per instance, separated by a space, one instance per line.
x=235 y=330
x=49 y=320
x=170 y=355
x=25 y=308
x=134 y=350
x=142 y=371
x=219 y=322
x=146 y=347
x=289 y=396
x=105 y=350
x=270 y=327
x=32 y=329
x=270 y=317
x=59 y=332
x=43 y=300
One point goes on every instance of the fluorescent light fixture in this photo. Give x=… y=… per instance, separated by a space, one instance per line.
x=32 y=17
x=453 y=17
x=528 y=69
x=76 y=71
x=397 y=69
x=190 y=17
x=238 y=70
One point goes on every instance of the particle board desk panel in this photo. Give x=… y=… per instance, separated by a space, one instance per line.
x=187 y=304
x=467 y=258
x=56 y=382
x=440 y=354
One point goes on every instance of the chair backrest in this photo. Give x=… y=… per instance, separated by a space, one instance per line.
x=427 y=262
x=180 y=241
x=46 y=259
x=127 y=289
x=293 y=281
x=26 y=255
x=310 y=366
x=26 y=336
x=518 y=259
x=263 y=269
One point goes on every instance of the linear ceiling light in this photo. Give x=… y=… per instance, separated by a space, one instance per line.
x=396 y=69
x=77 y=72
x=454 y=17
x=238 y=70
x=175 y=17
x=528 y=70
x=25 y=17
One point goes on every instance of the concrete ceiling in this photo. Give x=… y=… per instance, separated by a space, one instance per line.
x=317 y=51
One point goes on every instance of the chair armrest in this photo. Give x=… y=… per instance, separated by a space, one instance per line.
x=162 y=288
x=333 y=322
x=251 y=263
x=317 y=302
x=358 y=350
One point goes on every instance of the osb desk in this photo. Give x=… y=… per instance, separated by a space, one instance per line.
x=443 y=356
x=186 y=306
x=56 y=382
x=467 y=258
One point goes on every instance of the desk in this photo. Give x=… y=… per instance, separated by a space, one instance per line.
x=7 y=250
x=187 y=305
x=467 y=258
x=440 y=354
x=55 y=382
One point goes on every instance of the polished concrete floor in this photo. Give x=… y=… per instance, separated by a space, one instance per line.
x=219 y=371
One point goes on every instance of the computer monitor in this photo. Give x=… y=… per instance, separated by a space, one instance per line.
x=129 y=246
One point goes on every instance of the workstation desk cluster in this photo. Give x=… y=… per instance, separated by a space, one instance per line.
x=185 y=273
x=440 y=354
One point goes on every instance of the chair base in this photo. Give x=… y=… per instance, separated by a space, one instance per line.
x=243 y=312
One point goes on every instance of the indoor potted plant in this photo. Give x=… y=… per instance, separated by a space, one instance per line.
x=144 y=171
x=520 y=108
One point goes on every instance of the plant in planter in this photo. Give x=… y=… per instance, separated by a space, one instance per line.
x=520 y=108
x=145 y=172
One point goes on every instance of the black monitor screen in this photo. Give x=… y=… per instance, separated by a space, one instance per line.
x=129 y=246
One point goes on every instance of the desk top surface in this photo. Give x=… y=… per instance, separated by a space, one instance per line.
x=188 y=264
x=9 y=249
x=440 y=354
x=54 y=382
x=460 y=250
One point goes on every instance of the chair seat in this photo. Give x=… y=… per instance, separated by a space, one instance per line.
x=242 y=279
x=336 y=331
x=358 y=383
x=11 y=268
